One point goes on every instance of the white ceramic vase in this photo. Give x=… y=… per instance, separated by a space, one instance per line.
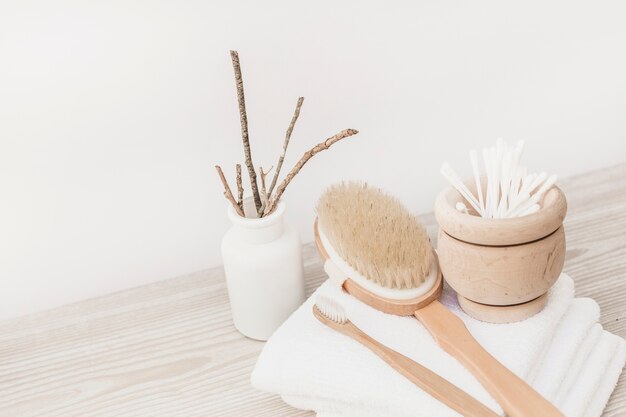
x=263 y=266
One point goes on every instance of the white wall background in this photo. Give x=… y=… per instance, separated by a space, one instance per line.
x=112 y=115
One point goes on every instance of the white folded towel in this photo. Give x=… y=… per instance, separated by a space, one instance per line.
x=607 y=380
x=314 y=367
x=593 y=386
x=591 y=341
x=569 y=341
x=597 y=378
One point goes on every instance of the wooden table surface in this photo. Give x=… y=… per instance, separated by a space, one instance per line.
x=170 y=348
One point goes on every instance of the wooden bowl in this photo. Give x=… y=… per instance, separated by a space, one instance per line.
x=501 y=262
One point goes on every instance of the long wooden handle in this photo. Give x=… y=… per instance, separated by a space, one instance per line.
x=516 y=397
x=430 y=382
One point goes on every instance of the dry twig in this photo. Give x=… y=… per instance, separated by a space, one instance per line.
x=298 y=166
x=227 y=193
x=265 y=195
x=239 y=188
x=244 y=129
x=285 y=144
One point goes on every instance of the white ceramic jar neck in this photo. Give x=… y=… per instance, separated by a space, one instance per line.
x=253 y=230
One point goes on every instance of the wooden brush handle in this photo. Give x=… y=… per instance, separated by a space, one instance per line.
x=516 y=397
x=430 y=382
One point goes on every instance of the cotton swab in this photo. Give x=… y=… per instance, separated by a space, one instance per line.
x=462 y=208
x=515 y=168
x=509 y=190
x=530 y=210
x=546 y=185
x=495 y=175
x=524 y=205
x=505 y=181
x=537 y=181
x=534 y=199
x=486 y=161
x=527 y=182
x=456 y=182
x=479 y=190
x=519 y=201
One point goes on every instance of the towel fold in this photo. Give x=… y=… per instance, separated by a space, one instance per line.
x=608 y=381
x=314 y=367
x=603 y=374
x=590 y=343
x=595 y=373
x=567 y=347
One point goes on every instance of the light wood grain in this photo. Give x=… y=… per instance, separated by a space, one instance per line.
x=170 y=349
x=501 y=262
x=502 y=314
x=502 y=275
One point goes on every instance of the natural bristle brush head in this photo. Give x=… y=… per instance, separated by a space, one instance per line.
x=376 y=235
x=376 y=250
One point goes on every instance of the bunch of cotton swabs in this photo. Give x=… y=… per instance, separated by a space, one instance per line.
x=510 y=191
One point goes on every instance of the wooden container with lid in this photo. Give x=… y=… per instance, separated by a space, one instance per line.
x=501 y=269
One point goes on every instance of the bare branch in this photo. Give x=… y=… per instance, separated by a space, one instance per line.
x=227 y=193
x=244 y=129
x=239 y=188
x=286 y=143
x=264 y=194
x=298 y=166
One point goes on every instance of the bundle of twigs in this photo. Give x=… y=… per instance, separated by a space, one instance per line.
x=266 y=200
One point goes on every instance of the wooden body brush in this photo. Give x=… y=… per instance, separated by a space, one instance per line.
x=333 y=315
x=389 y=264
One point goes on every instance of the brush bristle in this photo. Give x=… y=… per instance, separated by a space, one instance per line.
x=331 y=309
x=376 y=235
